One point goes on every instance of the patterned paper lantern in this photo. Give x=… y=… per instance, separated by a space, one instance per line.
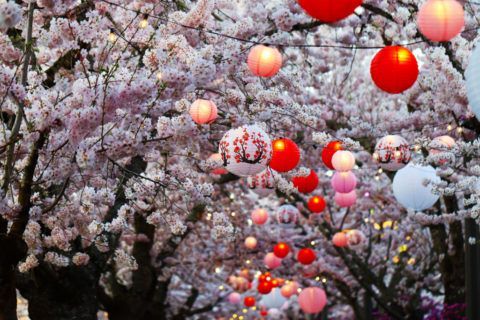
x=441 y=148
x=281 y=250
x=287 y=214
x=312 y=300
x=345 y=200
x=409 y=190
x=245 y=151
x=394 y=69
x=203 y=111
x=306 y=184
x=286 y=155
x=316 y=204
x=355 y=238
x=234 y=298
x=249 y=301
x=264 y=61
x=264 y=287
x=250 y=242
x=306 y=256
x=343 y=160
x=262 y=183
x=340 y=239
x=392 y=152
x=441 y=20
x=329 y=10
x=259 y=216
x=271 y=261
x=472 y=80
x=344 y=182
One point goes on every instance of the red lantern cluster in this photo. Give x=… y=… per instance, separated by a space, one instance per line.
x=329 y=10
x=316 y=204
x=249 y=301
x=306 y=256
x=286 y=155
x=281 y=250
x=306 y=184
x=266 y=283
x=328 y=152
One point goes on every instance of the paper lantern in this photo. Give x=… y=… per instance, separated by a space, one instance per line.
x=329 y=10
x=441 y=150
x=273 y=300
x=271 y=261
x=472 y=81
x=394 y=69
x=392 y=153
x=306 y=184
x=340 y=239
x=287 y=214
x=217 y=159
x=312 y=300
x=265 y=277
x=409 y=190
x=355 y=238
x=259 y=216
x=281 y=250
x=289 y=289
x=249 y=301
x=316 y=204
x=239 y=283
x=286 y=155
x=344 y=182
x=306 y=256
x=264 y=61
x=234 y=298
x=263 y=313
x=264 y=287
x=250 y=242
x=245 y=151
x=203 y=111
x=328 y=152
x=345 y=200
x=441 y=20
x=262 y=183
x=343 y=160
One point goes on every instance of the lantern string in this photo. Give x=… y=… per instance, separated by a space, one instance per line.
x=255 y=42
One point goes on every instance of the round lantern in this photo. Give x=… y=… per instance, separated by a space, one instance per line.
x=217 y=158
x=263 y=183
x=239 y=283
x=264 y=287
x=441 y=20
x=345 y=200
x=392 y=153
x=273 y=300
x=355 y=238
x=286 y=155
x=281 y=250
x=409 y=190
x=316 y=204
x=203 y=111
x=259 y=216
x=329 y=10
x=344 y=182
x=264 y=61
x=289 y=289
x=306 y=184
x=271 y=261
x=394 y=69
x=340 y=239
x=312 y=300
x=287 y=214
x=249 y=301
x=441 y=146
x=343 y=160
x=306 y=256
x=472 y=78
x=234 y=298
x=250 y=242
x=328 y=152
x=245 y=151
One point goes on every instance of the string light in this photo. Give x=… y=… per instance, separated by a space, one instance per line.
x=449 y=127
x=112 y=37
x=143 y=24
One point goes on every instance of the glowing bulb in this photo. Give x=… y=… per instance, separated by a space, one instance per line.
x=449 y=127
x=112 y=37
x=143 y=24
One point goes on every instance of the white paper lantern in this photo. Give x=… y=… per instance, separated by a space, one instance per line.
x=409 y=190
x=273 y=300
x=392 y=153
x=343 y=160
x=246 y=151
x=287 y=214
x=472 y=77
x=263 y=183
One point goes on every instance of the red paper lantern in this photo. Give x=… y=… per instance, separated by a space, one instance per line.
x=328 y=152
x=394 y=69
x=249 y=301
x=306 y=256
x=281 y=250
x=265 y=277
x=329 y=10
x=286 y=155
x=316 y=204
x=306 y=184
x=264 y=313
x=264 y=287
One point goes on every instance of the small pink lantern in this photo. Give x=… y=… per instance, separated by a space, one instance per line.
x=344 y=182
x=250 y=243
x=355 y=238
x=264 y=61
x=289 y=289
x=340 y=239
x=203 y=111
x=259 y=216
x=343 y=160
x=312 y=300
x=271 y=261
x=345 y=200
x=234 y=298
x=441 y=20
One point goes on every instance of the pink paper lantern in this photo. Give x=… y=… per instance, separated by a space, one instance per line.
x=344 y=182
x=250 y=243
x=289 y=289
x=343 y=160
x=355 y=239
x=345 y=200
x=203 y=111
x=264 y=61
x=234 y=298
x=340 y=239
x=259 y=216
x=441 y=20
x=312 y=300
x=271 y=261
